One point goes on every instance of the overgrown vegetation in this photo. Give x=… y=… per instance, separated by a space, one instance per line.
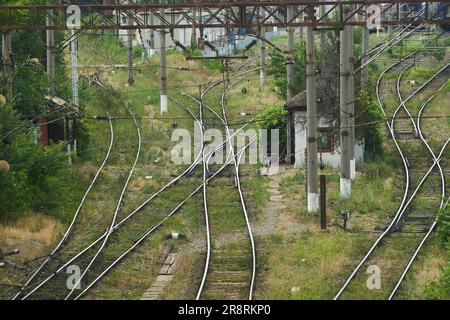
x=368 y=113
x=440 y=290
x=277 y=68
x=275 y=117
x=39 y=176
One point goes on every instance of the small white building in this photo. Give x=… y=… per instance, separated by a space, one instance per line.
x=328 y=129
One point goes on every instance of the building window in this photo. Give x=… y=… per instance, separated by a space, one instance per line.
x=325 y=141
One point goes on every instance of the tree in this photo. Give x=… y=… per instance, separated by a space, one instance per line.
x=277 y=68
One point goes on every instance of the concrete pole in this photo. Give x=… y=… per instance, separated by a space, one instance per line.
x=262 y=55
x=290 y=65
x=163 y=67
x=51 y=65
x=290 y=124
x=194 y=31
x=152 y=36
x=311 y=116
x=74 y=59
x=289 y=77
x=323 y=39
x=345 y=181
x=364 y=49
x=130 y=54
x=7 y=63
x=300 y=30
x=351 y=98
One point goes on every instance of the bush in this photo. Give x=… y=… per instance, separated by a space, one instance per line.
x=277 y=68
x=439 y=290
x=81 y=133
x=38 y=176
x=275 y=117
x=137 y=51
x=367 y=112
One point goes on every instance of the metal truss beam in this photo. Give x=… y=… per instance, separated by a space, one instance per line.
x=223 y=14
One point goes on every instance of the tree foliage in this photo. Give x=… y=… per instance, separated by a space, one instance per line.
x=275 y=117
x=368 y=113
x=38 y=175
x=37 y=179
x=277 y=68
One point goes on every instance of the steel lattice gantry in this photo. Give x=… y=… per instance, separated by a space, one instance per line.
x=213 y=14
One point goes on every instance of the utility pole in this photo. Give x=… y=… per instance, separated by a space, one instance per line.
x=194 y=31
x=323 y=202
x=75 y=100
x=262 y=55
x=351 y=97
x=289 y=77
x=290 y=57
x=300 y=31
x=7 y=63
x=364 y=49
x=130 y=53
x=163 y=66
x=51 y=71
x=311 y=115
x=152 y=36
x=323 y=39
x=345 y=181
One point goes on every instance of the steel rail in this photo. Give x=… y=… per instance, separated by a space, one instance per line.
x=118 y=206
x=74 y=219
x=108 y=232
x=205 y=199
x=393 y=36
x=389 y=38
x=241 y=196
x=387 y=46
x=402 y=206
x=118 y=225
x=403 y=102
x=405 y=165
x=153 y=228
x=206 y=169
x=441 y=205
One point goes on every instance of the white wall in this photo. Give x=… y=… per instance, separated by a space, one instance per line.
x=331 y=159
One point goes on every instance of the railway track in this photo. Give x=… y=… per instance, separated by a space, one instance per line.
x=109 y=261
x=71 y=226
x=92 y=222
x=152 y=229
x=229 y=272
x=230 y=268
x=403 y=235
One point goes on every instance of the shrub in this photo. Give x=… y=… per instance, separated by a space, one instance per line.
x=38 y=175
x=81 y=133
x=367 y=112
x=275 y=118
x=277 y=68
